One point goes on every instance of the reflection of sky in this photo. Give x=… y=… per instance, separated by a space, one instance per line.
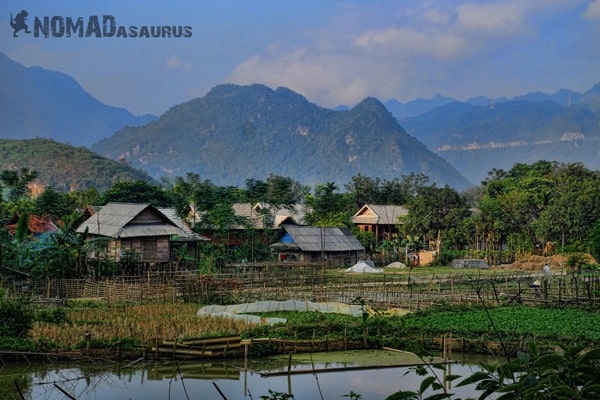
x=135 y=385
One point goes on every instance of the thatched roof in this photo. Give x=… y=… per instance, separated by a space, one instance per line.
x=374 y=214
x=311 y=238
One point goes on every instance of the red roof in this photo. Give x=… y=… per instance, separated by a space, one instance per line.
x=37 y=224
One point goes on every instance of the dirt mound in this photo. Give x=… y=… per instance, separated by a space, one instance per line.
x=536 y=263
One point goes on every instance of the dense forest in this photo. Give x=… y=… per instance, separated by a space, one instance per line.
x=512 y=213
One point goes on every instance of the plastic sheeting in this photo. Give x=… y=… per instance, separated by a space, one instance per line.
x=239 y=311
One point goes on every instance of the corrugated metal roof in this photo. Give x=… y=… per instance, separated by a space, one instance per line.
x=171 y=213
x=311 y=238
x=149 y=231
x=115 y=220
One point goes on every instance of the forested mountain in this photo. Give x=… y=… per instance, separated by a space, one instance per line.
x=65 y=167
x=476 y=139
x=236 y=133
x=36 y=102
x=239 y=132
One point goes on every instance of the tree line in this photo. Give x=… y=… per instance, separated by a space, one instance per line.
x=530 y=208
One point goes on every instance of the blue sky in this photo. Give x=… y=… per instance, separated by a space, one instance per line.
x=332 y=52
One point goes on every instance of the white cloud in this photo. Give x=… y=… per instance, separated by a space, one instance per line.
x=412 y=42
x=593 y=10
x=174 y=62
x=411 y=50
x=492 y=18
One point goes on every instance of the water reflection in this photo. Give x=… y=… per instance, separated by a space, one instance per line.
x=204 y=380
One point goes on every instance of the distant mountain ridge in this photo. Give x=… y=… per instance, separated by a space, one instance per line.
x=564 y=127
x=36 y=102
x=235 y=133
x=228 y=133
x=563 y=97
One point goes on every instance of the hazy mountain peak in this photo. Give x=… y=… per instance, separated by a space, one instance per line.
x=236 y=133
x=370 y=104
x=51 y=104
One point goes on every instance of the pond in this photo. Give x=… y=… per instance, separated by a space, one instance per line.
x=312 y=377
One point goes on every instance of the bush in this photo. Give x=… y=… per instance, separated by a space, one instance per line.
x=17 y=318
x=53 y=315
x=445 y=257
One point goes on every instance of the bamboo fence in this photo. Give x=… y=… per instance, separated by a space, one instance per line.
x=306 y=284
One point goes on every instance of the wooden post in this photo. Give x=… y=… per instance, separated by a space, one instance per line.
x=88 y=337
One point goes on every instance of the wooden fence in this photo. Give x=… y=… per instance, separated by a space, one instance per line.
x=377 y=290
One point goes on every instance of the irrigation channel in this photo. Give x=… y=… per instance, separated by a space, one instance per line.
x=373 y=374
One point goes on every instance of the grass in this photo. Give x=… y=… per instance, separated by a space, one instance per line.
x=139 y=321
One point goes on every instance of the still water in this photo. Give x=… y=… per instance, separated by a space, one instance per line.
x=230 y=379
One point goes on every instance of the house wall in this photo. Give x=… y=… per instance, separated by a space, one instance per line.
x=147 y=217
x=336 y=259
x=150 y=249
x=381 y=231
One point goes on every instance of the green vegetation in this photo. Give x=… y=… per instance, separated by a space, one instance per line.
x=545 y=324
x=259 y=131
x=64 y=167
x=569 y=373
x=545 y=208
x=548 y=325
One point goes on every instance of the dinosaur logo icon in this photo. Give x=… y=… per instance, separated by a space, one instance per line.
x=18 y=23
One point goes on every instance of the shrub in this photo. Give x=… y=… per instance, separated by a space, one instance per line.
x=17 y=318
x=53 y=315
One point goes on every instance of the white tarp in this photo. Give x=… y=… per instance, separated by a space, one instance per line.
x=396 y=264
x=363 y=268
x=239 y=311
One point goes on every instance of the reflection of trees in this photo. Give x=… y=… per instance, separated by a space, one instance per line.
x=81 y=383
x=11 y=383
x=43 y=382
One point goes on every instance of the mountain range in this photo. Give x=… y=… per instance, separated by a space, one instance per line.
x=36 y=102
x=235 y=133
x=563 y=127
x=238 y=132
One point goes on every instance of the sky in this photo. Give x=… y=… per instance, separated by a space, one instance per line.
x=332 y=52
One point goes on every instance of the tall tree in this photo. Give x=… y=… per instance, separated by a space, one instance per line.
x=327 y=207
x=17 y=182
x=363 y=190
x=137 y=192
x=433 y=211
x=285 y=192
x=51 y=202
